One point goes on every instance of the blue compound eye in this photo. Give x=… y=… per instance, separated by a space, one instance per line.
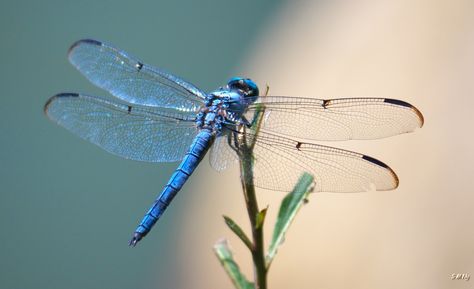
x=234 y=80
x=244 y=84
x=252 y=86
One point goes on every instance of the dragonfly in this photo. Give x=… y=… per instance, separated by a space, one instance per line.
x=153 y=116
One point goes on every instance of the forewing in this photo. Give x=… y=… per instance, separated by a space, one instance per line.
x=337 y=119
x=130 y=79
x=279 y=162
x=130 y=131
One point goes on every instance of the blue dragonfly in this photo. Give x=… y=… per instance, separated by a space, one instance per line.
x=154 y=116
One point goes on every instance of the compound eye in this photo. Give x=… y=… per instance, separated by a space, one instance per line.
x=251 y=87
x=236 y=82
x=245 y=85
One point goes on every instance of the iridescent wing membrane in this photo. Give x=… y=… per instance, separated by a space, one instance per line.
x=129 y=79
x=133 y=132
x=280 y=160
x=337 y=119
x=151 y=117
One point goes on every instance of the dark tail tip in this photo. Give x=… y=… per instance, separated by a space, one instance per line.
x=136 y=238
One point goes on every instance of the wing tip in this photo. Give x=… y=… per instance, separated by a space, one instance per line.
x=54 y=97
x=375 y=161
x=408 y=105
x=395 y=178
x=420 y=116
x=83 y=41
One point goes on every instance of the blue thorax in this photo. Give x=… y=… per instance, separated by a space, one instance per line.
x=225 y=107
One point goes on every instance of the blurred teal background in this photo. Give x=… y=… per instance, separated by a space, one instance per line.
x=68 y=208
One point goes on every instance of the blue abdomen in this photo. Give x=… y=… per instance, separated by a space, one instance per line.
x=195 y=154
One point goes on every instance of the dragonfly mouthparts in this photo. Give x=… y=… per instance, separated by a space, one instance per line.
x=136 y=238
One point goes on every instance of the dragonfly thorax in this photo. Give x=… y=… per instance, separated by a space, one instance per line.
x=223 y=109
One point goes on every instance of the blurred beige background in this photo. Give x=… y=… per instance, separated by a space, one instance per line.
x=414 y=237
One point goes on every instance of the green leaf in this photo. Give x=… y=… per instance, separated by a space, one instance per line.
x=261 y=218
x=238 y=231
x=288 y=209
x=221 y=248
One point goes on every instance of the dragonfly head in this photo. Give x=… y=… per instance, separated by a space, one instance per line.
x=246 y=85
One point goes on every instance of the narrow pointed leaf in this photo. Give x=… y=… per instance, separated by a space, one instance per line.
x=261 y=218
x=238 y=231
x=288 y=209
x=221 y=248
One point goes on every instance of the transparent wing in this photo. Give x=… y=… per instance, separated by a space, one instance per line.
x=337 y=119
x=133 y=132
x=280 y=161
x=130 y=79
x=222 y=156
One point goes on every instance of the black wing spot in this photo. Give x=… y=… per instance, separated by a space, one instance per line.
x=406 y=104
x=88 y=41
x=326 y=102
x=298 y=145
x=139 y=66
x=67 y=94
x=375 y=161
x=397 y=102
x=59 y=95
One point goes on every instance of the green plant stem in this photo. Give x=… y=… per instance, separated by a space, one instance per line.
x=246 y=147
x=258 y=250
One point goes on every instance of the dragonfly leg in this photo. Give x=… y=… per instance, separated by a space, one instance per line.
x=258 y=112
x=256 y=117
x=247 y=123
x=232 y=142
